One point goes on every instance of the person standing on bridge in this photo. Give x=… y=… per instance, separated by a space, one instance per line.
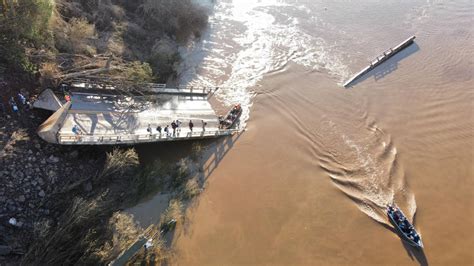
x=204 y=124
x=174 y=126
x=77 y=131
x=178 y=126
x=191 y=125
x=167 y=131
x=158 y=128
x=148 y=129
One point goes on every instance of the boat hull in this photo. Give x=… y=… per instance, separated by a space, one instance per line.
x=404 y=236
x=231 y=118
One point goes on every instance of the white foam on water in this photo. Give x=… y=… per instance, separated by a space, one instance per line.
x=246 y=40
x=367 y=171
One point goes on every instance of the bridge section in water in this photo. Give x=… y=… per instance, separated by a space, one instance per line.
x=110 y=119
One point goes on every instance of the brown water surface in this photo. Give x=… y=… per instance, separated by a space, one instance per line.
x=308 y=181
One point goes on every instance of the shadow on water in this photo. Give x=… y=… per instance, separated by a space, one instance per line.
x=412 y=252
x=213 y=152
x=415 y=253
x=388 y=66
x=208 y=159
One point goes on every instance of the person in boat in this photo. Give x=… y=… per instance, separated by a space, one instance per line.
x=402 y=227
x=395 y=215
x=406 y=227
x=236 y=109
x=221 y=121
x=416 y=238
x=407 y=224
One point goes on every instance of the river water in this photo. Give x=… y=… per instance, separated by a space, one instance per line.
x=308 y=181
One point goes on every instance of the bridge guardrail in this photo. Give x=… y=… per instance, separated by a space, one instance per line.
x=139 y=138
x=182 y=89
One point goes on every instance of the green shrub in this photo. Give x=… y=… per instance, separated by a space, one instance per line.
x=138 y=72
x=23 y=24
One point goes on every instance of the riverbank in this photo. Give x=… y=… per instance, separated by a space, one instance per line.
x=64 y=203
x=35 y=176
x=60 y=204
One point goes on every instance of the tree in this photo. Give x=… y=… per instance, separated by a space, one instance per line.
x=23 y=24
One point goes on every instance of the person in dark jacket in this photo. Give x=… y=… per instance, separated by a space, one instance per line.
x=174 y=126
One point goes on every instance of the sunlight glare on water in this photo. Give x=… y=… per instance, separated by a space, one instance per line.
x=248 y=39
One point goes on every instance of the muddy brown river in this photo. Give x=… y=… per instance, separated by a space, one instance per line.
x=308 y=182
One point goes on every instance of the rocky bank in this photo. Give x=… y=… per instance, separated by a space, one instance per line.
x=35 y=178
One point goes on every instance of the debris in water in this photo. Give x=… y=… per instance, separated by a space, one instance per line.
x=380 y=59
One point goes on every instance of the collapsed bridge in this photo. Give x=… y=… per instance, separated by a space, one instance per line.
x=105 y=118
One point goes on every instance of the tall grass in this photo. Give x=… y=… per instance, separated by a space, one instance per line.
x=119 y=161
x=93 y=230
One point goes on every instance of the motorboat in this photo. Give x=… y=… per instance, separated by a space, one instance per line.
x=404 y=227
x=230 y=119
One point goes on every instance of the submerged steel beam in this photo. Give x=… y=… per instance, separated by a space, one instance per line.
x=380 y=59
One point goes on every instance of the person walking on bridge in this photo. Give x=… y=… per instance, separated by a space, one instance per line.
x=191 y=125
x=204 y=124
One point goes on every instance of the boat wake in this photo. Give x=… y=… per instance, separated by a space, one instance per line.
x=368 y=172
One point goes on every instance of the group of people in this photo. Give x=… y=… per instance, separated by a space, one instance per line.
x=404 y=224
x=228 y=121
x=175 y=128
x=24 y=104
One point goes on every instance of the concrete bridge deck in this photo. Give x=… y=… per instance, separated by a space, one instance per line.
x=117 y=119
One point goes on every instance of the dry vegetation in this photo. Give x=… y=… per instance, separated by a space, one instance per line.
x=96 y=39
x=93 y=230
x=126 y=42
